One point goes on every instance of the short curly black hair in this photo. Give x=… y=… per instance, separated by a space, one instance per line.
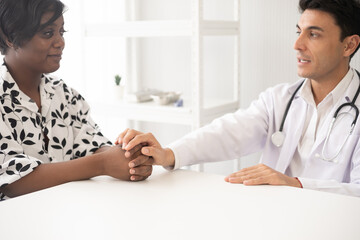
x=20 y=20
x=345 y=12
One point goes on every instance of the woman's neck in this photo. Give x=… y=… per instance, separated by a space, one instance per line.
x=28 y=81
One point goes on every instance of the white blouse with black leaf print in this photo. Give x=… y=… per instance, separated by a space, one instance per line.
x=63 y=130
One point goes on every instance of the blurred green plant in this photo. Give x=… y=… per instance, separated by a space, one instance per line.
x=117 y=79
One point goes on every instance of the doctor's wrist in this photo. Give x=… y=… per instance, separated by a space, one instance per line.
x=169 y=158
x=298 y=183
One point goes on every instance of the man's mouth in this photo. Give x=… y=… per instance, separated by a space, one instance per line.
x=302 y=60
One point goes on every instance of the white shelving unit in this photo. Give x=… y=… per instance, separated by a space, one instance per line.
x=195 y=112
x=173 y=28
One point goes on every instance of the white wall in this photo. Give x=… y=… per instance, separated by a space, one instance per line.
x=268 y=31
x=267 y=58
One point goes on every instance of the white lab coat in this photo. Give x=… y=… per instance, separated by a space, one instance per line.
x=248 y=131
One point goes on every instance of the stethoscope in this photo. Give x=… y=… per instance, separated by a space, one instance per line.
x=278 y=137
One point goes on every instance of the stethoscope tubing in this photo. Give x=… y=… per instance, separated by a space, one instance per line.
x=288 y=106
x=350 y=104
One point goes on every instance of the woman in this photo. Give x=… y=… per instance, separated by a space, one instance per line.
x=43 y=120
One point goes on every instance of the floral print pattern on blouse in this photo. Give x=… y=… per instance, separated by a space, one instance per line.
x=64 y=120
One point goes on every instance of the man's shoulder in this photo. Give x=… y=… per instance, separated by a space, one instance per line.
x=289 y=86
x=284 y=88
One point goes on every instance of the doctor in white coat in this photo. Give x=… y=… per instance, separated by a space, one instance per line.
x=308 y=151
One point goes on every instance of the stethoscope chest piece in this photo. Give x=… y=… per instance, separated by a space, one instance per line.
x=278 y=138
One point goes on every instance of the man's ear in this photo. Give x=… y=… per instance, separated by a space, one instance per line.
x=351 y=43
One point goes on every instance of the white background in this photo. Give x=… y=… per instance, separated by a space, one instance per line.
x=267 y=57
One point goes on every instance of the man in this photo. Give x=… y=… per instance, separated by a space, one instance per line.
x=300 y=153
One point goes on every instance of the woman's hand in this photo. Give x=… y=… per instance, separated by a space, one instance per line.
x=130 y=138
x=116 y=164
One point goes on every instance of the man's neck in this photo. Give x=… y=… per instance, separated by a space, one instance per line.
x=322 y=87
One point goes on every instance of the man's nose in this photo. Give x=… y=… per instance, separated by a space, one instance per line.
x=300 y=43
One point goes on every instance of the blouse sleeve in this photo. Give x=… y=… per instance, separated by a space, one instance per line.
x=14 y=164
x=87 y=135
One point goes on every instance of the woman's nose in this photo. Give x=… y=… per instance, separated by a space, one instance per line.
x=59 y=42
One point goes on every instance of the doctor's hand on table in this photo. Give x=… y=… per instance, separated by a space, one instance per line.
x=261 y=174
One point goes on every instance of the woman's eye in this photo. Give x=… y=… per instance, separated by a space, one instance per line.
x=48 y=33
x=62 y=31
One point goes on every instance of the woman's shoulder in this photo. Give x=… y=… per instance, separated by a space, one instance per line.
x=53 y=81
x=58 y=84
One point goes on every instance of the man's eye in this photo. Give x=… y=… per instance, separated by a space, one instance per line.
x=298 y=32
x=314 y=34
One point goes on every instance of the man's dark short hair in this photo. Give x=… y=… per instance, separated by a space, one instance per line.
x=345 y=12
x=20 y=20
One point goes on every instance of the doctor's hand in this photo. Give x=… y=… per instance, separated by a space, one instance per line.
x=131 y=138
x=261 y=174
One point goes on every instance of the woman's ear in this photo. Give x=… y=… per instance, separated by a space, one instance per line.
x=9 y=44
x=351 y=44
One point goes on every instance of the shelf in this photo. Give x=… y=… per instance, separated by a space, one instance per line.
x=220 y=28
x=147 y=111
x=196 y=29
x=214 y=111
x=152 y=112
x=161 y=29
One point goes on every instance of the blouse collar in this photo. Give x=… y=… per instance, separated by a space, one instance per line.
x=9 y=88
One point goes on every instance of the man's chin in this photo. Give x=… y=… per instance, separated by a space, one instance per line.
x=304 y=74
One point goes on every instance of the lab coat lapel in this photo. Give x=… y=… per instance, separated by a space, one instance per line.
x=293 y=129
x=350 y=93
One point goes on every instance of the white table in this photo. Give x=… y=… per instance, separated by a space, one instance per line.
x=178 y=205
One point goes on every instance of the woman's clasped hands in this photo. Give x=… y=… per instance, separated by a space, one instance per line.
x=116 y=164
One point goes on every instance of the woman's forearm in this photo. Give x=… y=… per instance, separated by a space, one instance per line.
x=53 y=174
x=109 y=161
